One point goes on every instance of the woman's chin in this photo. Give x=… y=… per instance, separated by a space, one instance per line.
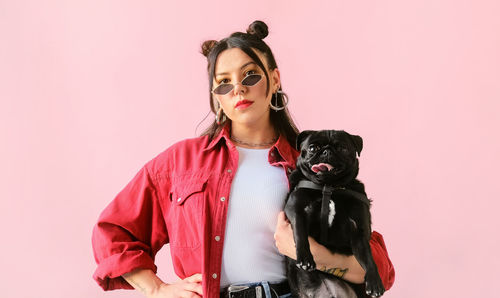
x=251 y=121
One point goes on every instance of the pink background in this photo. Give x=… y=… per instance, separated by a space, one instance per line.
x=92 y=90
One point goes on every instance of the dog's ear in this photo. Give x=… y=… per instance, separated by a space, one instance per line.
x=358 y=143
x=302 y=137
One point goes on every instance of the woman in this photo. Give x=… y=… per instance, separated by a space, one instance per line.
x=216 y=199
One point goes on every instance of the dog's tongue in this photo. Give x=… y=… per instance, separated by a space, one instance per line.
x=321 y=167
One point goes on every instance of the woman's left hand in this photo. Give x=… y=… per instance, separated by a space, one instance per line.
x=284 y=237
x=325 y=260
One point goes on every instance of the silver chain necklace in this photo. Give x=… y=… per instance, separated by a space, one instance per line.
x=253 y=144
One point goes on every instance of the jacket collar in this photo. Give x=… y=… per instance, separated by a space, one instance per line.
x=223 y=135
x=285 y=150
x=281 y=148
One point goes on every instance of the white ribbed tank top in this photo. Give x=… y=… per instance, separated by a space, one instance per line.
x=258 y=194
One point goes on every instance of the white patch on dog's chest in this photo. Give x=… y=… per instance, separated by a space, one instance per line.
x=331 y=214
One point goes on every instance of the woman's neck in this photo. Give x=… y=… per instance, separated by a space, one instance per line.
x=257 y=136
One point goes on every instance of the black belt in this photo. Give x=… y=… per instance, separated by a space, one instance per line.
x=256 y=291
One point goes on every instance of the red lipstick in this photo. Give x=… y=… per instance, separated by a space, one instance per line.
x=243 y=104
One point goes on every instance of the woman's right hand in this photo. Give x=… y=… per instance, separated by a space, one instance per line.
x=190 y=287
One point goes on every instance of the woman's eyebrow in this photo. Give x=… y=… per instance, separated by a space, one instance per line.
x=243 y=66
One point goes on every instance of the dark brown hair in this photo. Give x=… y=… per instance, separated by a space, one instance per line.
x=247 y=42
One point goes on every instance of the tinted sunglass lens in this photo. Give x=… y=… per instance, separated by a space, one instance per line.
x=223 y=89
x=247 y=81
x=251 y=80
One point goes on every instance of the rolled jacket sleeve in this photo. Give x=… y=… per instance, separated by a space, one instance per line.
x=129 y=232
x=381 y=258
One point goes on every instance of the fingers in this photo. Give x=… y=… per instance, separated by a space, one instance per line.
x=281 y=218
x=283 y=237
x=279 y=223
x=282 y=226
x=189 y=295
x=194 y=287
x=194 y=278
x=283 y=223
x=194 y=284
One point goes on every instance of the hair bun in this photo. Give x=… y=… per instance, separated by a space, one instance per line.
x=258 y=29
x=207 y=46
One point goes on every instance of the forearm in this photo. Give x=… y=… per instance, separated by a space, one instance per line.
x=345 y=267
x=143 y=280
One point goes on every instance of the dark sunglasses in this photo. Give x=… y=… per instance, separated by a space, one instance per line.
x=249 y=80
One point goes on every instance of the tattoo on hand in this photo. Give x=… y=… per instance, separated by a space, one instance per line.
x=334 y=271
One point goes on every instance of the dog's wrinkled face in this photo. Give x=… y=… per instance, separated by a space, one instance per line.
x=328 y=156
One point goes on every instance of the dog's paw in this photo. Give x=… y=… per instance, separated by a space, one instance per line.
x=306 y=262
x=373 y=285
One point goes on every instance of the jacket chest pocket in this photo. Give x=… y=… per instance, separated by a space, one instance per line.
x=186 y=213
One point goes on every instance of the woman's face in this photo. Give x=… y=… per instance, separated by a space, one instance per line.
x=244 y=105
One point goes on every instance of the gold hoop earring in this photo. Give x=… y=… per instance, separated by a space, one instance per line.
x=285 y=101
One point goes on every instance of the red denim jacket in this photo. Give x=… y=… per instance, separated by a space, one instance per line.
x=181 y=197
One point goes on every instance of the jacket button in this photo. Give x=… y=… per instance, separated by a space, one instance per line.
x=214 y=276
x=217 y=238
x=179 y=199
x=229 y=171
x=222 y=199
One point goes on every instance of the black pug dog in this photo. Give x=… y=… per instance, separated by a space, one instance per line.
x=328 y=203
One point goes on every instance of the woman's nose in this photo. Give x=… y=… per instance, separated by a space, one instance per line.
x=239 y=88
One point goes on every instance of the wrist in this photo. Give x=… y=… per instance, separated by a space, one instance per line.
x=144 y=280
x=157 y=289
x=153 y=288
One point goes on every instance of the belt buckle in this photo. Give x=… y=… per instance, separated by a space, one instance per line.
x=235 y=289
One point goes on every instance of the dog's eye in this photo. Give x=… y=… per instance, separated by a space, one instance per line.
x=313 y=148
x=341 y=148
